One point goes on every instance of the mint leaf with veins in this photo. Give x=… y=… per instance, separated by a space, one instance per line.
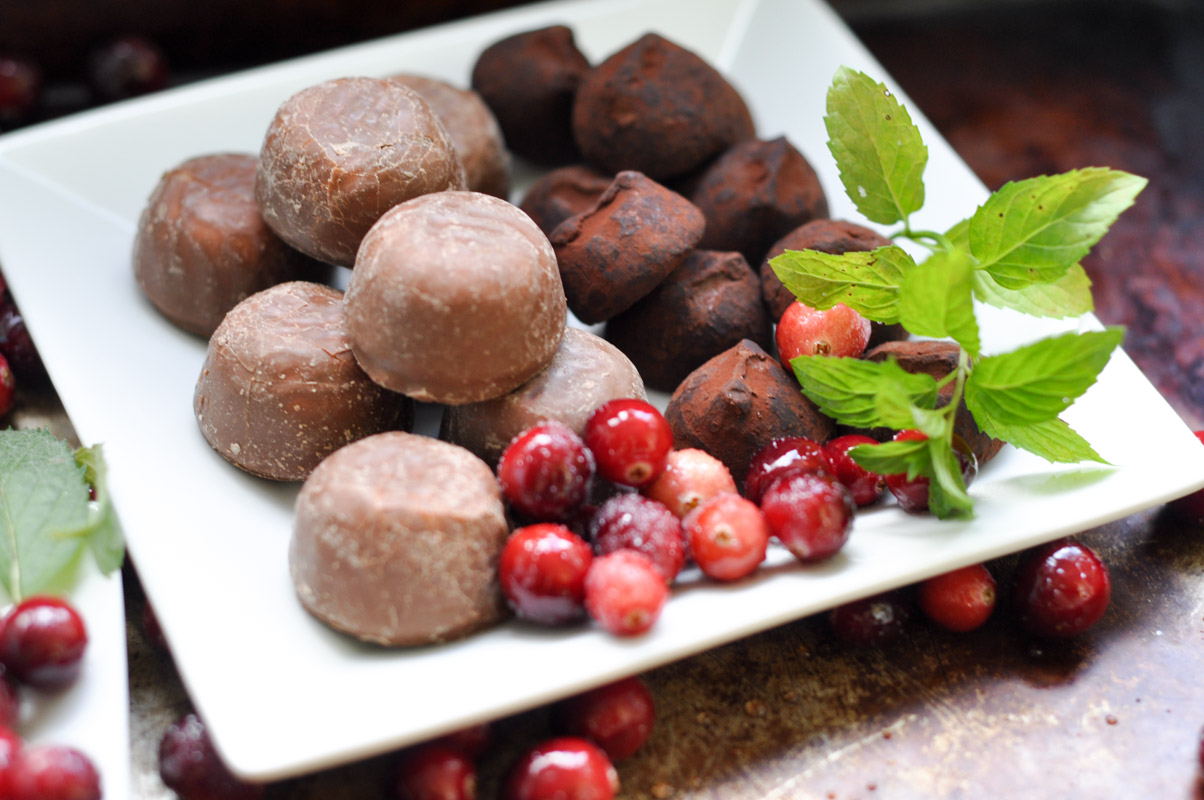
x=865 y=281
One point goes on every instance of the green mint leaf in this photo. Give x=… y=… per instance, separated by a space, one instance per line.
x=1032 y=231
x=865 y=281
x=864 y=394
x=947 y=495
x=1068 y=296
x=1037 y=382
x=1052 y=440
x=877 y=148
x=102 y=531
x=910 y=458
x=936 y=299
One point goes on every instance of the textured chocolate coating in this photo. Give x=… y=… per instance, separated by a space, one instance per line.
x=455 y=298
x=340 y=154
x=202 y=247
x=280 y=390
x=618 y=251
x=657 y=108
x=708 y=304
x=736 y=403
x=825 y=235
x=473 y=130
x=755 y=193
x=396 y=541
x=529 y=80
x=562 y=193
x=586 y=372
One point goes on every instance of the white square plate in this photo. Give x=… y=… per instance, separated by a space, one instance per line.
x=282 y=693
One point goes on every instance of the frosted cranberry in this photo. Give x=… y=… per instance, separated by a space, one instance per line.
x=781 y=457
x=20 y=88
x=618 y=717
x=10 y=746
x=871 y=621
x=913 y=494
x=53 y=772
x=804 y=331
x=435 y=772
x=625 y=592
x=472 y=741
x=42 y=642
x=542 y=572
x=635 y=522
x=191 y=768
x=960 y=600
x=866 y=487
x=10 y=701
x=728 y=536
x=1190 y=508
x=126 y=67
x=546 y=471
x=630 y=441
x=691 y=476
x=566 y=768
x=810 y=514
x=1061 y=589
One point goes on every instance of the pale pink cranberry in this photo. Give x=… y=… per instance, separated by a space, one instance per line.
x=625 y=592
x=804 y=331
x=618 y=717
x=728 y=536
x=691 y=477
x=567 y=768
x=635 y=522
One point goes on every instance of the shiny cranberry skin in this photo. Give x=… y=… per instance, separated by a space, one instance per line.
x=1061 y=589
x=804 y=331
x=20 y=89
x=866 y=487
x=871 y=621
x=913 y=494
x=635 y=522
x=53 y=772
x=126 y=67
x=728 y=537
x=691 y=477
x=542 y=572
x=961 y=600
x=630 y=441
x=618 y=717
x=1190 y=508
x=191 y=768
x=780 y=457
x=435 y=772
x=545 y=472
x=625 y=592
x=10 y=746
x=565 y=768
x=472 y=741
x=809 y=513
x=42 y=642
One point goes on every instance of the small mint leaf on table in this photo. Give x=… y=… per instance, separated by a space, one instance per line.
x=864 y=394
x=1068 y=296
x=877 y=147
x=936 y=299
x=865 y=281
x=1052 y=440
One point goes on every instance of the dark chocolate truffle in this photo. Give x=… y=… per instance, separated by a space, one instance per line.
x=396 y=541
x=340 y=154
x=618 y=251
x=455 y=298
x=529 y=80
x=563 y=193
x=708 y=304
x=657 y=108
x=280 y=390
x=739 y=401
x=202 y=247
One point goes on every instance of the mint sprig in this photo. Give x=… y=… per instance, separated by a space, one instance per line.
x=1019 y=250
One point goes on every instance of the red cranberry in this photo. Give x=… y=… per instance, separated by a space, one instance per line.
x=435 y=772
x=53 y=772
x=542 y=573
x=691 y=476
x=43 y=642
x=472 y=741
x=546 y=471
x=630 y=440
x=913 y=494
x=618 y=717
x=1061 y=589
x=126 y=67
x=625 y=592
x=635 y=522
x=810 y=514
x=10 y=701
x=728 y=536
x=866 y=487
x=20 y=88
x=567 y=768
x=8 y=387
x=780 y=457
x=1190 y=508
x=871 y=621
x=804 y=331
x=10 y=746
x=960 y=600
x=191 y=768
x=16 y=344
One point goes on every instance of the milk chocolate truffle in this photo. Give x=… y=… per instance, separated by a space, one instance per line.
x=708 y=304
x=202 y=246
x=586 y=372
x=612 y=255
x=280 y=390
x=473 y=130
x=396 y=541
x=455 y=298
x=340 y=154
x=562 y=193
x=755 y=193
x=739 y=401
x=529 y=80
x=657 y=108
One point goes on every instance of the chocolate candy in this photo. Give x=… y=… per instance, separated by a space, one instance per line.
x=825 y=235
x=563 y=193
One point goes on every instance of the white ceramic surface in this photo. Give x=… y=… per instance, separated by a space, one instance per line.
x=282 y=693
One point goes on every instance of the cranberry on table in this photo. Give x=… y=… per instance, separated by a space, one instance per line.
x=1190 y=508
x=190 y=766
x=20 y=88
x=545 y=472
x=691 y=477
x=781 y=457
x=636 y=522
x=435 y=772
x=472 y=741
x=960 y=600
x=870 y=621
x=630 y=440
x=728 y=537
x=804 y=331
x=1061 y=589
x=912 y=494
x=866 y=487
x=542 y=572
x=125 y=67
x=53 y=772
x=618 y=717
x=625 y=592
x=565 y=768
x=16 y=345
x=809 y=513
x=42 y=642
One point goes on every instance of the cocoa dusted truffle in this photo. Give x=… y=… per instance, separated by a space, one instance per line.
x=396 y=541
x=618 y=251
x=340 y=154
x=455 y=298
x=586 y=372
x=708 y=304
x=280 y=390
x=529 y=80
x=563 y=193
x=739 y=401
x=202 y=247
x=473 y=130
x=657 y=108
